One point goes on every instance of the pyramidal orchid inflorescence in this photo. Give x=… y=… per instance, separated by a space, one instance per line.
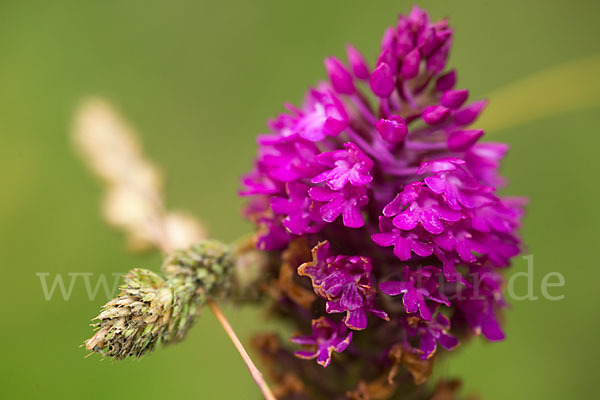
x=383 y=176
x=380 y=237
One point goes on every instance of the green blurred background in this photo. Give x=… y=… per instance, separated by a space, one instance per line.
x=199 y=79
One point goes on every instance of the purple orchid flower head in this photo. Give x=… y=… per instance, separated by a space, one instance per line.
x=382 y=174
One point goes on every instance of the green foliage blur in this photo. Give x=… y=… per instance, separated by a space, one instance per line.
x=199 y=79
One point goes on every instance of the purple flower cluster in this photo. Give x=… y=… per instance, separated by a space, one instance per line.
x=397 y=197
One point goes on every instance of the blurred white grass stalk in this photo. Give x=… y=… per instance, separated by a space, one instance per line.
x=134 y=199
x=566 y=87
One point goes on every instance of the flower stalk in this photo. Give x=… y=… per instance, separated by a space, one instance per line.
x=254 y=371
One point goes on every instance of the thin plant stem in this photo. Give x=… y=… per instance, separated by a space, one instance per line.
x=254 y=371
